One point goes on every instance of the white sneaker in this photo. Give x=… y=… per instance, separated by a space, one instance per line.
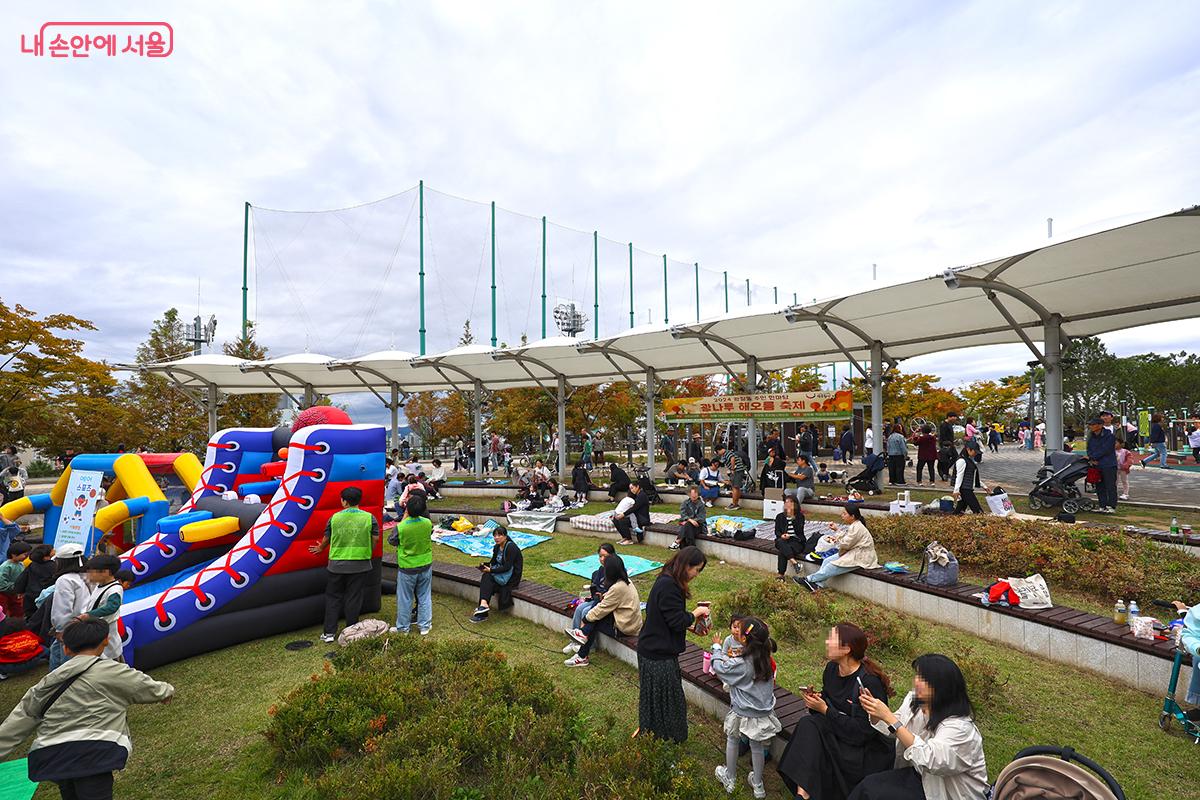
x=1122 y=497
x=426 y=631
x=328 y=638
x=393 y=629
x=576 y=634
x=758 y=788
x=576 y=661
x=708 y=504
x=726 y=779
x=571 y=649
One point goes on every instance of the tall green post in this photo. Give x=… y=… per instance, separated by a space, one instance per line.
x=631 y=284
x=421 y=261
x=245 y=268
x=493 y=273
x=697 y=267
x=543 y=277
x=795 y=301
x=666 y=308
x=595 y=284
x=727 y=292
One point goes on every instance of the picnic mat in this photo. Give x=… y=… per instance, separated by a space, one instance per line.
x=603 y=522
x=481 y=546
x=14 y=780
x=584 y=567
x=536 y=520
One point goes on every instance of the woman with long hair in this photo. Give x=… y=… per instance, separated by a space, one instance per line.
x=939 y=752
x=835 y=747
x=856 y=548
x=662 y=709
x=619 y=612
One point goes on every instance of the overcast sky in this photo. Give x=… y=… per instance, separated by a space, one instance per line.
x=792 y=145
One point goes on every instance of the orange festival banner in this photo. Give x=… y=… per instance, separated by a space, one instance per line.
x=783 y=406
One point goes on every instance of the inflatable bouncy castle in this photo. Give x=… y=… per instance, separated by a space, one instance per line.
x=232 y=563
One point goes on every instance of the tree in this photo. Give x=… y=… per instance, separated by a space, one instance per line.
x=518 y=414
x=989 y=401
x=467 y=337
x=51 y=396
x=166 y=420
x=1089 y=383
x=248 y=410
x=910 y=396
x=437 y=416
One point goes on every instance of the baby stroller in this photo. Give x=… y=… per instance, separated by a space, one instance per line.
x=643 y=480
x=1056 y=484
x=1053 y=773
x=865 y=480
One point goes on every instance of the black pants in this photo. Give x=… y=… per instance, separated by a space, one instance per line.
x=93 y=787
x=488 y=587
x=688 y=534
x=894 y=784
x=344 y=594
x=896 y=469
x=624 y=526
x=967 y=499
x=614 y=490
x=925 y=463
x=593 y=631
x=1106 y=489
x=995 y=448
x=787 y=549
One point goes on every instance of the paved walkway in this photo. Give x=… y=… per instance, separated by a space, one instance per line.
x=1015 y=469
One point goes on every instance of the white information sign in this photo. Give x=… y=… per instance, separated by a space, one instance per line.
x=79 y=508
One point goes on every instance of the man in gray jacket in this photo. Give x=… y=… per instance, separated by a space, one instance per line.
x=78 y=712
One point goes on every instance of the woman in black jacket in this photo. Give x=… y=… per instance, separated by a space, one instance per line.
x=36 y=577
x=619 y=482
x=581 y=482
x=503 y=570
x=790 y=544
x=773 y=471
x=834 y=747
x=662 y=709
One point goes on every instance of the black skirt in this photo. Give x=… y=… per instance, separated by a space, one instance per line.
x=662 y=709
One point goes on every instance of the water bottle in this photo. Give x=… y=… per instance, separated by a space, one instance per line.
x=1133 y=610
x=707 y=668
x=1174 y=527
x=1119 y=613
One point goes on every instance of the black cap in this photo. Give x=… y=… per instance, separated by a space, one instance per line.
x=1095 y=421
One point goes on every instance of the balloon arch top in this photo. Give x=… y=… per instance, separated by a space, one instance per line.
x=1043 y=298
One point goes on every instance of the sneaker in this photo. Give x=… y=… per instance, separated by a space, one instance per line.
x=481 y=610
x=425 y=631
x=673 y=546
x=806 y=583
x=813 y=557
x=708 y=504
x=725 y=778
x=576 y=661
x=328 y=638
x=393 y=629
x=478 y=618
x=756 y=786
x=735 y=508
x=577 y=635
x=625 y=541
x=1122 y=497
x=570 y=649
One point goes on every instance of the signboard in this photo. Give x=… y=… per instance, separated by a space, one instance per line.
x=1144 y=423
x=782 y=406
x=79 y=508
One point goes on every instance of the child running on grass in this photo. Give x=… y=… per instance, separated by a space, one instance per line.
x=78 y=712
x=751 y=680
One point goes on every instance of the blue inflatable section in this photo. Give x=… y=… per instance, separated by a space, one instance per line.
x=173 y=523
x=161 y=585
x=356 y=466
x=263 y=489
x=96 y=462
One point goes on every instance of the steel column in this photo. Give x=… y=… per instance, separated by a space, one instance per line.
x=394 y=407
x=651 y=386
x=879 y=445
x=562 y=428
x=752 y=428
x=1053 y=398
x=477 y=401
x=213 y=399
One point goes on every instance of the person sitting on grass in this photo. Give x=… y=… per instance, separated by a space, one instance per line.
x=691 y=520
x=634 y=520
x=104 y=603
x=939 y=752
x=504 y=570
x=834 y=747
x=710 y=481
x=595 y=592
x=437 y=479
x=619 y=612
x=751 y=681
x=350 y=535
x=823 y=475
x=79 y=714
x=856 y=549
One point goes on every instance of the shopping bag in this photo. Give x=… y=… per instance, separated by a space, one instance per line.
x=1000 y=505
x=1033 y=591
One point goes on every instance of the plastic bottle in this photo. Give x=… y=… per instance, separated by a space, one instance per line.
x=1174 y=527
x=1133 y=610
x=1119 y=613
x=707 y=668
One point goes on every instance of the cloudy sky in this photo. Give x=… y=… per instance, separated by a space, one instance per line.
x=792 y=145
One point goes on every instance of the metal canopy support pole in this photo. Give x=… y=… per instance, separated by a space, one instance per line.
x=666 y=304
x=310 y=397
x=877 y=401
x=543 y=277
x=493 y=273
x=394 y=407
x=726 y=292
x=562 y=428
x=245 y=267
x=747 y=291
x=631 y=284
x=651 y=387
x=477 y=401
x=752 y=429
x=421 y=268
x=697 y=267
x=596 y=284
x=213 y=398
x=1054 y=384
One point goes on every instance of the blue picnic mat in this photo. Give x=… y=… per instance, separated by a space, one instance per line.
x=746 y=523
x=481 y=546
x=584 y=567
x=14 y=780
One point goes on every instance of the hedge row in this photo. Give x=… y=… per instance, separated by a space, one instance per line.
x=1105 y=562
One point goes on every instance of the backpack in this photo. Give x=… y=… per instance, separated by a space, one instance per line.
x=367 y=629
x=942 y=566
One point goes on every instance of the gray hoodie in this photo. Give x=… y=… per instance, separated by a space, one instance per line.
x=747 y=697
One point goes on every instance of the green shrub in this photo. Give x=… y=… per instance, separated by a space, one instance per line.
x=402 y=717
x=885 y=630
x=1107 y=564
x=41 y=468
x=984 y=684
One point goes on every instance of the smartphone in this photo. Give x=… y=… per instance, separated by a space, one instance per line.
x=861 y=688
x=481 y=567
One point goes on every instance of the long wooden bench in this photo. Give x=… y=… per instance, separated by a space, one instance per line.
x=556 y=604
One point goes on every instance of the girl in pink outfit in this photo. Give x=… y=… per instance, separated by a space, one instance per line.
x=1125 y=459
x=1037 y=439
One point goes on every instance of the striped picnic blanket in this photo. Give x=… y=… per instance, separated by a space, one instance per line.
x=603 y=522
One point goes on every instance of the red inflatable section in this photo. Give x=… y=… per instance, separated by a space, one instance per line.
x=320 y=415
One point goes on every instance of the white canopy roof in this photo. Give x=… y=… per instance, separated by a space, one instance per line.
x=1138 y=274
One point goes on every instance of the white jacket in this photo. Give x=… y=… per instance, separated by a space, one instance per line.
x=950 y=761
x=71 y=593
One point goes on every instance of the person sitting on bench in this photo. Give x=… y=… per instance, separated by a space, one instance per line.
x=691 y=519
x=618 y=481
x=500 y=575
x=678 y=475
x=619 y=612
x=636 y=518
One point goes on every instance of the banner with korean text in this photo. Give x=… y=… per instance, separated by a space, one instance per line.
x=783 y=406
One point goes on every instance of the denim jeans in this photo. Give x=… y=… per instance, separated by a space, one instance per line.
x=420 y=585
x=1160 y=452
x=586 y=606
x=58 y=656
x=828 y=570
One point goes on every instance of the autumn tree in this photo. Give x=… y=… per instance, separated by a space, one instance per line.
x=248 y=410
x=518 y=414
x=991 y=401
x=910 y=396
x=167 y=421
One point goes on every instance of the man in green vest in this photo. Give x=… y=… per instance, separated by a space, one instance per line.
x=350 y=536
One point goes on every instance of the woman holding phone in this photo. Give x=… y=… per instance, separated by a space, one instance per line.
x=834 y=747
x=503 y=570
x=662 y=709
